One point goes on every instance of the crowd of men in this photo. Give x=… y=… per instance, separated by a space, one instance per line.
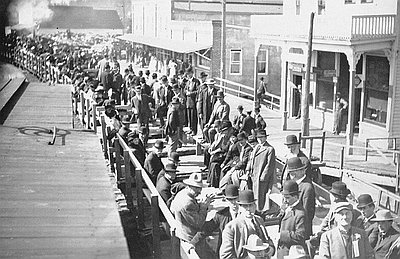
x=238 y=161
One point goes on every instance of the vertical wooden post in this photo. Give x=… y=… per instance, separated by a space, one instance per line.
x=323 y=145
x=104 y=136
x=87 y=113
x=341 y=163
x=117 y=147
x=94 y=118
x=397 y=174
x=82 y=100
x=72 y=113
x=311 y=147
x=175 y=244
x=155 y=210
x=394 y=148
x=366 y=149
x=128 y=180
x=139 y=187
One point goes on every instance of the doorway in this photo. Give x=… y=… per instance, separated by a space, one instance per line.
x=296 y=95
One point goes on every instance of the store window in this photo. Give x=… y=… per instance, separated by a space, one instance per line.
x=325 y=87
x=377 y=89
x=262 y=64
x=235 y=62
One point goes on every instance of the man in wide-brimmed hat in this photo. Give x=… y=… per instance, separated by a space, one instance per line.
x=189 y=213
x=153 y=164
x=366 y=205
x=164 y=183
x=387 y=235
x=344 y=240
x=222 y=217
x=256 y=248
x=293 y=146
x=237 y=232
x=293 y=223
x=296 y=170
x=261 y=168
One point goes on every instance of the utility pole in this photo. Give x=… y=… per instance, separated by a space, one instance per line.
x=305 y=125
x=223 y=39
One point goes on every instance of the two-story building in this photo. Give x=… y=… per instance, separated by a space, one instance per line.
x=352 y=53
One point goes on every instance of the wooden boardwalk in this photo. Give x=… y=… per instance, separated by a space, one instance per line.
x=55 y=200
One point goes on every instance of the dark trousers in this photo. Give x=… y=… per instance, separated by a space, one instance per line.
x=192 y=119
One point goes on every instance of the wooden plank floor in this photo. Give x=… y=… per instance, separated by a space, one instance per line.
x=55 y=200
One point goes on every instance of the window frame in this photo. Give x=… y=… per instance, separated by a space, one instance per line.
x=266 y=62
x=231 y=62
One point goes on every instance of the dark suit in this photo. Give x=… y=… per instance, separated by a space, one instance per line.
x=260 y=123
x=164 y=188
x=249 y=124
x=238 y=121
x=292 y=230
x=307 y=200
x=153 y=165
x=205 y=104
x=143 y=109
x=236 y=233
x=191 y=91
x=383 y=244
x=304 y=159
x=332 y=245
x=106 y=78
x=371 y=228
x=244 y=157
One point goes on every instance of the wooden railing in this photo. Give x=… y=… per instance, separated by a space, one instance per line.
x=394 y=147
x=271 y=100
x=371 y=26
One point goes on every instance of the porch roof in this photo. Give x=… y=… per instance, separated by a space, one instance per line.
x=179 y=46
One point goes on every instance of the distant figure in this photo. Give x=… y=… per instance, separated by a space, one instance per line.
x=261 y=90
x=340 y=110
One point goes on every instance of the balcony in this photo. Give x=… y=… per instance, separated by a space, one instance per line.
x=339 y=28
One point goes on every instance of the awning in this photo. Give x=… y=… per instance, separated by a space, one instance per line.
x=179 y=46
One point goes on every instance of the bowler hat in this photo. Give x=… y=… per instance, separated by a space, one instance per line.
x=225 y=125
x=210 y=81
x=296 y=252
x=252 y=139
x=291 y=140
x=231 y=191
x=174 y=157
x=195 y=180
x=220 y=94
x=364 y=200
x=340 y=188
x=170 y=167
x=246 y=197
x=159 y=144
x=254 y=243
x=242 y=135
x=294 y=163
x=383 y=215
x=290 y=187
x=261 y=133
x=343 y=205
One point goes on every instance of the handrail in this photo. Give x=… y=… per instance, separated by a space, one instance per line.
x=311 y=139
x=394 y=142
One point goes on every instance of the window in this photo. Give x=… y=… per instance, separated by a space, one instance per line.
x=349 y=1
x=236 y=62
x=377 y=89
x=297 y=7
x=262 y=64
x=367 y=1
x=324 y=92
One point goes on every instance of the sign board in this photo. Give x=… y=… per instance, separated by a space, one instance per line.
x=389 y=201
x=329 y=73
x=317 y=70
x=297 y=67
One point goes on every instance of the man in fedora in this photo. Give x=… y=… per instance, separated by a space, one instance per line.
x=296 y=170
x=249 y=124
x=173 y=125
x=344 y=240
x=222 y=217
x=220 y=111
x=367 y=207
x=255 y=248
x=387 y=235
x=261 y=169
x=205 y=103
x=238 y=119
x=164 y=183
x=141 y=107
x=293 y=146
x=237 y=232
x=260 y=123
x=153 y=164
x=292 y=227
x=191 y=91
x=189 y=213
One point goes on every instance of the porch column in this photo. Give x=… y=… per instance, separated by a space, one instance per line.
x=352 y=58
x=256 y=50
x=284 y=87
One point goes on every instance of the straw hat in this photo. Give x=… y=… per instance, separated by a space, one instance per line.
x=195 y=180
x=254 y=243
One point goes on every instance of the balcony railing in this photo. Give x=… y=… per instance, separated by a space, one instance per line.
x=372 y=26
x=325 y=27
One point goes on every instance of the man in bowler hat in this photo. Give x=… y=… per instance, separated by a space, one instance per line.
x=367 y=207
x=153 y=164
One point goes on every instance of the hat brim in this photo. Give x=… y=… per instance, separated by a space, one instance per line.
x=247 y=203
x=380 y=219
x=300 y=168
x=195 y=184
x=340 y=194
x=365 y=205
x=231 y=197
x=256 y=248
x=294 y=143
x=289 y=193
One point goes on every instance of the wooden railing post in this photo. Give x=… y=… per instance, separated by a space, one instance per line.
x=175 y=245
x=104 y=136
x=94 y=118
x=311 y=147
x=118 y=159
x=156 y=225
x=139 y=187
x=394 y=147
x=366 y=149
x=323 y=145
x=82 y=115
x=128 y=180
x=397 y=174
x=87 y=113
x=341 y=162
x=73 y=113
